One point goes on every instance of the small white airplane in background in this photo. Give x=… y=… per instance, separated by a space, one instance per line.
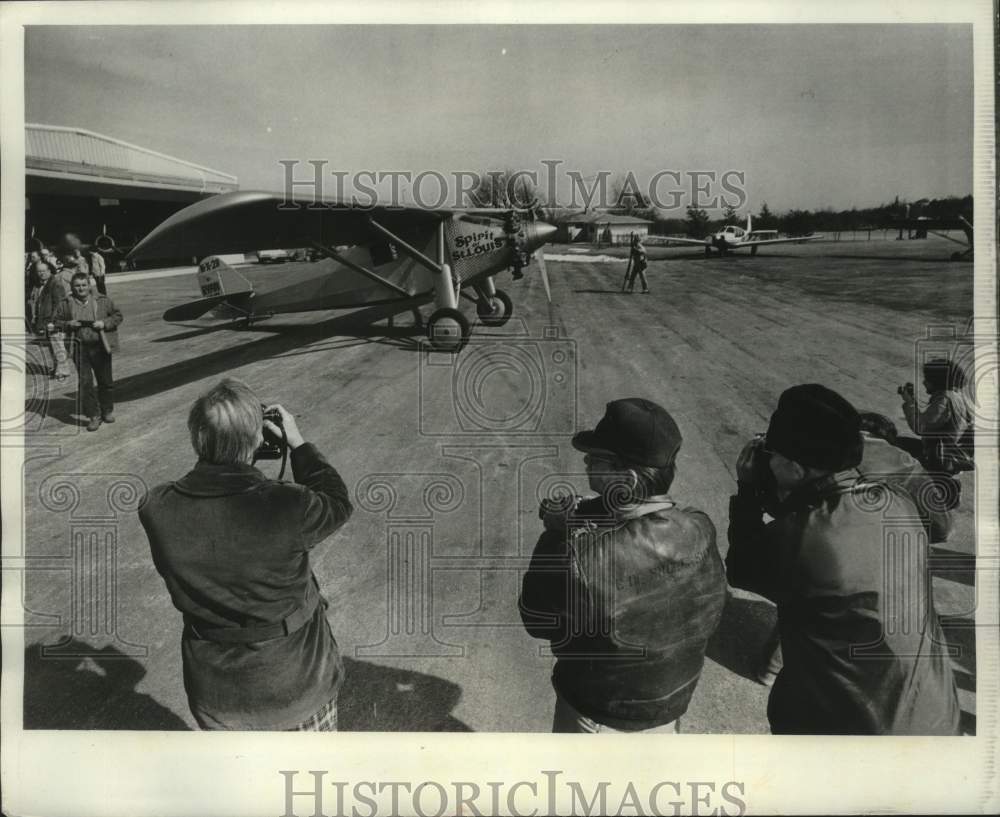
x=732 y=237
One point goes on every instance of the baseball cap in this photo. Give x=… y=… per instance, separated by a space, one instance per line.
x=635 y=430
x=816 y=427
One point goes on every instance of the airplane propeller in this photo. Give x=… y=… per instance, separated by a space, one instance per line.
x=543 y=271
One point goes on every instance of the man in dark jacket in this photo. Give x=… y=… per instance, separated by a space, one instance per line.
x=627 y=586
x=233 y=548
x=845 y=560
x=50 y=296
x=92 y=321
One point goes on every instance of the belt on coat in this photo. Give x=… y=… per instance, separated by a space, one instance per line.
x=256 y=632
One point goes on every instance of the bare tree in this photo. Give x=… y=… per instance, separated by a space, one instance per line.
x=504 y=189
x=697 y=222
x=628 y=198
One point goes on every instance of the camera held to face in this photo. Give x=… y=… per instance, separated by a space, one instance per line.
x=272 y=447
x=754 y=469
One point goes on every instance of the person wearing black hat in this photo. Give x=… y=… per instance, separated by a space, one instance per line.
x=626 y=586
x=845 y=560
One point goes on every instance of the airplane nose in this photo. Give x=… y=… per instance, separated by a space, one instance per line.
x=537 y=233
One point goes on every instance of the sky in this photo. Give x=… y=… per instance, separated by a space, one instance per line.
x=814 y=116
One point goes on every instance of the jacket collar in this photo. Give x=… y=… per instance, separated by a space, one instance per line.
x=651 y=505
x=206 y=479
x=595 y=512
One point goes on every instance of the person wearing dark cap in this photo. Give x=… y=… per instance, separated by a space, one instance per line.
x=883 y=461
x=845 y=560
x=626 y=586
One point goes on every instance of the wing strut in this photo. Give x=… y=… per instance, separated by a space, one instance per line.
x=446 y=287
x=405 y=248
x=329 y=252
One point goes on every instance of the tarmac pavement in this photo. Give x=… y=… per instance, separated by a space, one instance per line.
x=446 y=458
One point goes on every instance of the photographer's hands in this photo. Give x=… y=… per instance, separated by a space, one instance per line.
x=744 y=465
x=294 y=436
x=555 y=513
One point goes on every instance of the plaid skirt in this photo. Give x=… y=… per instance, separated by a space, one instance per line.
x=324 y=720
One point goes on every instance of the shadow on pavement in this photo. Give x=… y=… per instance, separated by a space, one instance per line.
x=65 y=410
x=93 y=692
x=738 y=643
x=281 y=341
x=376 y=698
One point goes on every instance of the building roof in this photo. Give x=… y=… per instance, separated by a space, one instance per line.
x=605 y=218
x=73 y=157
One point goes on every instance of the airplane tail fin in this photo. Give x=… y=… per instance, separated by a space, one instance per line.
x=216 y=277
x=220 y=285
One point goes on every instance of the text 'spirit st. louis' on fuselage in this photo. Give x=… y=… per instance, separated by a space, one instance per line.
x=404 y=256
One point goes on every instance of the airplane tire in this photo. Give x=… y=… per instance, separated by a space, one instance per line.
x=500 y=315
x=447 y=330
x=753 y=250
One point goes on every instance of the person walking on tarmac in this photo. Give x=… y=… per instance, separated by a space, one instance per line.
x=637 y=260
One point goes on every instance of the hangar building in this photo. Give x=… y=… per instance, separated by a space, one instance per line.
x=110 y=193
x=607 y=228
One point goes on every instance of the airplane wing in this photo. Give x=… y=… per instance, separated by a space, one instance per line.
x=765 y=241
x=698 y=242
x=958 y=223
x=245 y=221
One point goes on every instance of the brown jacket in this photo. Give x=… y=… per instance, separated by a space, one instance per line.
x=96 y=308
x=233 y=548
x=50 y=296
x=629 y=603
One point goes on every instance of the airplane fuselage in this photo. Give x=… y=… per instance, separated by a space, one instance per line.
x=475 y=247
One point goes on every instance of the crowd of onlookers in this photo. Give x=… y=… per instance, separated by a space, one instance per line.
x=68 y=258
x=832 y=520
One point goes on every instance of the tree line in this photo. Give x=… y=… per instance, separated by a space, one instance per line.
x=698 y=223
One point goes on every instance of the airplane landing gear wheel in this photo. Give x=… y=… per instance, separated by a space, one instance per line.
x=753 y=250
x=447 y=330
x=497 y=313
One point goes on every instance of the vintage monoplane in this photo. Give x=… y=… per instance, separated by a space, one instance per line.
x=404 y=256
x=732 y=237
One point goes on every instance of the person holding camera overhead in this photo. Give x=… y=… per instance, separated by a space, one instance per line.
x=626 y=586
x=945 y=426
x=844 y=559
x=233 y=548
